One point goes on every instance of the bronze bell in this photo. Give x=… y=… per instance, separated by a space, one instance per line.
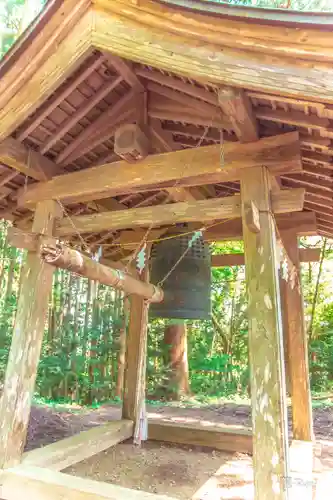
x=187 y=290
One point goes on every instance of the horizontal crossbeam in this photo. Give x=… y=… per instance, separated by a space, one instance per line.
x=284 y=201
x=38 y=483
x=281 y=154
x=69 y=451
x=238 y=259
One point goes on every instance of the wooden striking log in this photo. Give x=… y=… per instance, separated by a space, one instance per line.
x=26 y=344
x=285 y=201
x=189 y=168
x=268 y=391
x=59 y=255
x=69 y=451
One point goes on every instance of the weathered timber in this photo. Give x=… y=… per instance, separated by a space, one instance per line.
x=26 y=161
x=39 y=483
x=237 y=105
x=268 y=391
x=69 y=451
x=26 y=344
x=136 y=343
x=232 y=52
x=203 y=166
x=238 y=259
x=29 y=82
x=297 y=351
x=58 y=255
x=284 y=201
x=303 y=223
x=225 y=438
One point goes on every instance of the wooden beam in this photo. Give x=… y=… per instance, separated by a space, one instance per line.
x=39 y=483
x=69 y=451
x=178 y=84
x=125 y=69
x=297 y=350
x=268 y=391
x=225 y=438
x=285 y=201
x=187 y=167
x=135 y=360
x=238 y=259
x=26 y=161
x=28 y=334
x=237 y=106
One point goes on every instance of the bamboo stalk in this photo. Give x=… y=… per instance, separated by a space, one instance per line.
x=59 y=255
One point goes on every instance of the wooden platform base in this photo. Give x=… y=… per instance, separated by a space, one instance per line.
x=39 y=476
x=226 y=438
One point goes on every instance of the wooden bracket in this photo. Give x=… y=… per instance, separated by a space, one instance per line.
x=252 y=217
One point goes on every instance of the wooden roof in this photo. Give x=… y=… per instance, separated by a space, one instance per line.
x=195 y=79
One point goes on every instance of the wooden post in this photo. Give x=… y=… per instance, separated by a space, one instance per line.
x=26 y=344
x=296 y=341
x=135 y=355
x=268 y=392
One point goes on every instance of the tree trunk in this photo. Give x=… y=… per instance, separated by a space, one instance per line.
x=175 y=340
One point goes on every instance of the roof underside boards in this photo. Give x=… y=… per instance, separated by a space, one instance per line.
x=74 y=127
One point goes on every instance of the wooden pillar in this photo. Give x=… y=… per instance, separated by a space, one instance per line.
x=268 y=392
x=135 y=366
x=26 y=344
x=296 y=341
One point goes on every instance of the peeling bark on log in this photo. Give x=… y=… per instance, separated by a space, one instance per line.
x=59 y=255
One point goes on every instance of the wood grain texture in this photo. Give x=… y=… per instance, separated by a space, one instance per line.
x=237 y=106
x=38 y=483
x=268 y=389
x=238 y=259
x=225 y=438
x=69 y=451
x=259 y=57
x=27 y=339
x=59 y=255
x=285 y=201
x=187 y=167
x=49 y=73
x=297 y=350
x=135 y=360
x=26 y=161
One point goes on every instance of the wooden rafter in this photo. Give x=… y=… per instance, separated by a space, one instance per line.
x=125 y=70
x=177 y=84
x=109 y=118
x=187 y=167
x=59 y=97
x=237 y=106
x=26 y=161
x=80 y=113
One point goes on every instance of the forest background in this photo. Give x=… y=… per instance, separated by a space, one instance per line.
x=85 y=334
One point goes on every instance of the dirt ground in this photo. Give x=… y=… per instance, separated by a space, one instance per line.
x=178 y=471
